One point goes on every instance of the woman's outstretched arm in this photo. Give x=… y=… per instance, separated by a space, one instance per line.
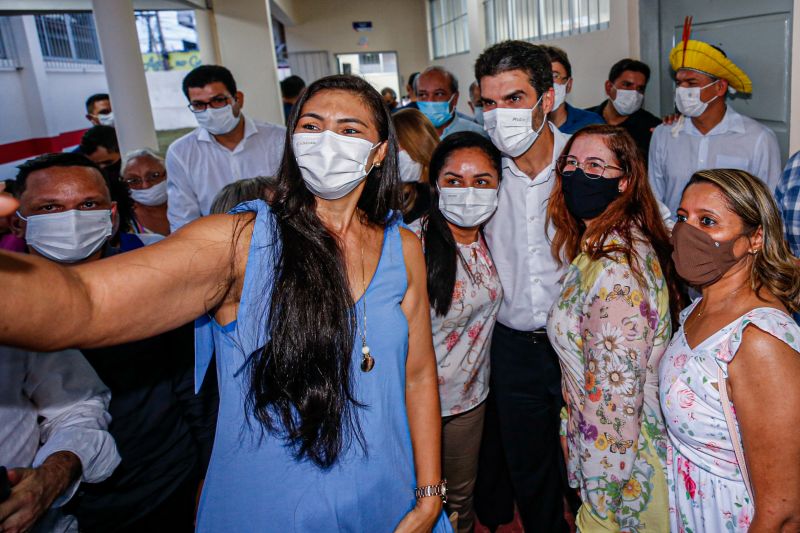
x=47 y=306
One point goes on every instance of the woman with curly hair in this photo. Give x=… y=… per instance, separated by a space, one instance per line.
x=610 y=327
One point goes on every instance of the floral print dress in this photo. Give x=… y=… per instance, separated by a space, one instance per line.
x=707 y=491
x=462 y=337
x=610 y=330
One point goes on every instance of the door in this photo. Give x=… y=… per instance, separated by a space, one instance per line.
x=310 y=66
x=755 y=35
x=378 y=68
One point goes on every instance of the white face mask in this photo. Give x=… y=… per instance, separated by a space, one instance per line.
x=688 y=101
x=561 y=95
x=410 y=170
x=467 y=207
x=511 y=130
x=332 y=165
x=155 y=195
x=628 y=101
x=68 y=236
x=106 y=119
x=218 y=121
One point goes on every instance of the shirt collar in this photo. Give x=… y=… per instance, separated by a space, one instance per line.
x=731 y=123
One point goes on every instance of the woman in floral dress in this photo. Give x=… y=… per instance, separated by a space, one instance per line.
x=729 y=243
x=610 y=327
x=465 y=294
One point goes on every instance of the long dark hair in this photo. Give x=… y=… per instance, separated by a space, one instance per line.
x=440 y=246
x=635 y=209
x=300 y=382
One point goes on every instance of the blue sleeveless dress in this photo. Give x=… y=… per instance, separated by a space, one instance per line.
x=254 y=483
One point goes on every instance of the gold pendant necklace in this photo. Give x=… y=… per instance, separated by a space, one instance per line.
x=367 y=361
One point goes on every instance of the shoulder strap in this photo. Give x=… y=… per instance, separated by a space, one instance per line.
x=727 y=409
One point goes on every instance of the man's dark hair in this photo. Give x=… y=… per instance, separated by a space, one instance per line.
x=99 y=97
x=388 y=90
x=205 y=74
x=557 y=55
x=96 y=136
x=517 y=55
x=291 y=86
x=42 y=162
x=628 y=64
x=412 y=78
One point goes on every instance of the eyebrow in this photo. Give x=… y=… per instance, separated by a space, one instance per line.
x=338 y=121
x=515 y=93
x=223 y=95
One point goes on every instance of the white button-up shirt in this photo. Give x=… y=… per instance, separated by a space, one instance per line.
x=520 y=246
x=680 y=150
x=52 y=402
x=198 y=167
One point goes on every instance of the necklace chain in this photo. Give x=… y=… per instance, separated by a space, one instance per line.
x=367 y=361
x=700 y=312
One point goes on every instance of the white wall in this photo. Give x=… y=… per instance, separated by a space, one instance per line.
x=67 y=96
x=14 y=124
x=397 y=26
x=591 y=54
x=167 y=100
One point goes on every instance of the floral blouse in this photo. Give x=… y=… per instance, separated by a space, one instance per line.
x=610 y=331
x=462 y=337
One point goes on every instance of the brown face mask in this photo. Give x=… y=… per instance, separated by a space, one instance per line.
x=699 y=259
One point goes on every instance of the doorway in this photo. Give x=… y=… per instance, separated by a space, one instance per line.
x=378 y=68
x=755 y=35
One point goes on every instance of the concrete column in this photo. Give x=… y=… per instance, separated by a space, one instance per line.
x=34 y=77
x=119 y=44
x=206 y=37
x=244 y=34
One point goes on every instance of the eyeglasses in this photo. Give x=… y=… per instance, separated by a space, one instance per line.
x=150 y=178
x=593 y=167
x=215 y=103
x=558 y=78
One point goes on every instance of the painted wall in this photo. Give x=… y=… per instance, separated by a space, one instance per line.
x=396 y=27
x=591 y=54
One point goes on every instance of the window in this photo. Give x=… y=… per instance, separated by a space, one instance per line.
x=68 y=38
x=449 y=32
x=8 y=53
x=536 y=20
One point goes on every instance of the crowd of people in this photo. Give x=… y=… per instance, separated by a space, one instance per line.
x=389 y=315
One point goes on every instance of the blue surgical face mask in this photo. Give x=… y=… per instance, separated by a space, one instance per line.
x=479 y=115
x=439 y=113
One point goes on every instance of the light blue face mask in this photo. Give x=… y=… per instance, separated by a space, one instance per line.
x=479 y=115
x=437 y=112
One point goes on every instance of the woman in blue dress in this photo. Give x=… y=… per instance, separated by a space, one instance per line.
x=317 y=311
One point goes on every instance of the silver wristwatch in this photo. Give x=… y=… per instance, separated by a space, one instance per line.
x=440 y=489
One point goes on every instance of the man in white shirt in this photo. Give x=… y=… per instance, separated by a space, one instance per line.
x=709 y=133
x=226 y=147
x=53 y=435
x=516 y=85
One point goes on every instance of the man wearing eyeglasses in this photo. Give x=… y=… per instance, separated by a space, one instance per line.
x=567 y=119
x=226 y=147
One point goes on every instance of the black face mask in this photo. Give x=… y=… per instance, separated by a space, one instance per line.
x=585 y=197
